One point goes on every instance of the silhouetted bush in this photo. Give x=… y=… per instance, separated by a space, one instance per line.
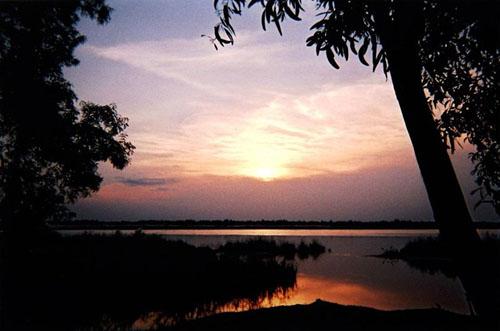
x=270 y=248
x=431 y=255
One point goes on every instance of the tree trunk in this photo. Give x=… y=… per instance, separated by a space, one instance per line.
x=476 y=268
x=399 y=38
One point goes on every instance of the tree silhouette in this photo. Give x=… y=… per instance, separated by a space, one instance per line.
x=443 y=58
x=50 y=144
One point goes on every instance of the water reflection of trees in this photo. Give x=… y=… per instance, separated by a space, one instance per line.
x=430 y=254
x=478 y=270
x=115 y=282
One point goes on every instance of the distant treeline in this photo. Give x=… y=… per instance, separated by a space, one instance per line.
x=251 y=224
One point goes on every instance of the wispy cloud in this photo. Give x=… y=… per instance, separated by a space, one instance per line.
x=241 y=111
x=338 y=129
x=145 y=181
x=194 y=63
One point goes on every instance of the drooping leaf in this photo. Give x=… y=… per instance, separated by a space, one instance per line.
x=290 y=13
x=331 y=58
x=263 y=20
x=362 y=51
x=377 y=59
x=352 y=45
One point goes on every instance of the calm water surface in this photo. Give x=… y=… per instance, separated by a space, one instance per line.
x=345 y=274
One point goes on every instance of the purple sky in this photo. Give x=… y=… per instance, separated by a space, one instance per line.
x=261 y=129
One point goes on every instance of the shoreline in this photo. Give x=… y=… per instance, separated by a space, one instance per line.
x=254 y=225
x=323 y=315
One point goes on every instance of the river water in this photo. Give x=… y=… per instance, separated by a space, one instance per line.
x=346 y=273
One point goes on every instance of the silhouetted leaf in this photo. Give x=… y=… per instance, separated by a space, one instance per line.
x=253 y=2
x=310 y=41
x=219 y=38
x=352 y=45
x=318 y=25
x=374 y=51
x=362 y=51
x=377 y=59
x=318 y=48
x=277 y=23
x=331 y=58
x=385 y=66
x=290 y=13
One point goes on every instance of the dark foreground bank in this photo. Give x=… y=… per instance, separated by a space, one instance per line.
x=125 y=282
x=138 y=281
x=322 y=315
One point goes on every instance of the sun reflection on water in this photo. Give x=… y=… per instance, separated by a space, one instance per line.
x=281 y=296
x=308 y=289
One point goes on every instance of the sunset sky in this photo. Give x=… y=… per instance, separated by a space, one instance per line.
x=261 y=129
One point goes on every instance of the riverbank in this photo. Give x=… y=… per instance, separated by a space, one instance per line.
x=144 y=281
x=252 y=224
x=322 y=315
x=95 y=281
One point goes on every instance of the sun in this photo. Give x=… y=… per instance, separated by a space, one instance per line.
x=266 y=174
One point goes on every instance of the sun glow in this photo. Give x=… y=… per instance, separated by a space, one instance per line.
x=266 y=174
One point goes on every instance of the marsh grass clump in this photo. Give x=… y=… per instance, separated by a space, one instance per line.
x=314 y=249
x=270 y=248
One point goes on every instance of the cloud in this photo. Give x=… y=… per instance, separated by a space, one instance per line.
x=257 y=108
x=370 y=195
x=146 y=181
x=335 y=129
x=193 y=63
x=272 y=129
x=254 y=67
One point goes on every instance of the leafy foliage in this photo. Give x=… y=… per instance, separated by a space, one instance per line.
x=461 y=74
x=50 y=144
x=459 y=55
